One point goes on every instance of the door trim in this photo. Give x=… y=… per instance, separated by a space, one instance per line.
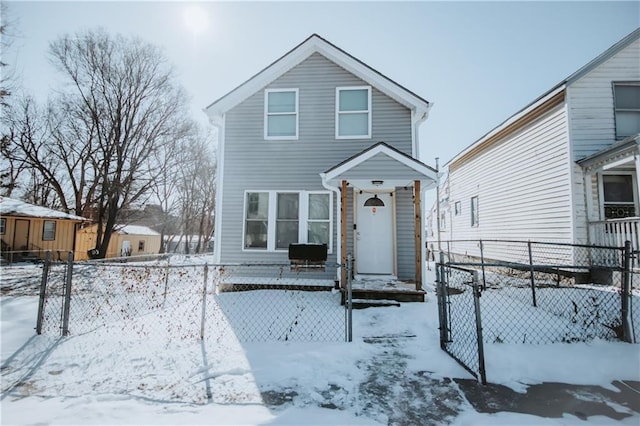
x=394 y=252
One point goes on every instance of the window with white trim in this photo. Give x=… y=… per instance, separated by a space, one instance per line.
x=275 y=219
x=49 y=230
x=281 y=114
x=474 y=211
x=353 y=112
x=626 y=98
x=617 y=194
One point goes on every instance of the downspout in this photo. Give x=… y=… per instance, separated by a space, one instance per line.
x=338 y=227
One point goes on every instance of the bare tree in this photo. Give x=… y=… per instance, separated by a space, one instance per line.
x=124 y=106
x=196 y=188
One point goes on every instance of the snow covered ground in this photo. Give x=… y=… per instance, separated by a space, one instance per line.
x=394 y=372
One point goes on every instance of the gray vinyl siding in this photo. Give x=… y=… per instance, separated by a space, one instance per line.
x=382 y=167
x=405 y=234
x=522 y=185
x=592 y=120
x=252 y=163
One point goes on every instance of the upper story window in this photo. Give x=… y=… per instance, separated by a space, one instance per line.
x=353 y=112
x=49 y=230
x=281 y=114
x=627 y=108
x=617 y=193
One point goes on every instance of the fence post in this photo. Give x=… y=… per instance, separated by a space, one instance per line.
x=67 y=295
x=476 y=302
x=43 y=292
x=204 y=301
x=533 y=280
x=442 y=300
x=484 y=281
x=349 y=312
x=166 y=281
x=626 y=293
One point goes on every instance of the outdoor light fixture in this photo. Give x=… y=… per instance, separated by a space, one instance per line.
x=374 y=202
x=377 y=182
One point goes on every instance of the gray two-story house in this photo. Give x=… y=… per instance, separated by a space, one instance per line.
x=320 y=148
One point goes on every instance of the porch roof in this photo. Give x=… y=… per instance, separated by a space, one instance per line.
x=381 y=166
x=618 y=154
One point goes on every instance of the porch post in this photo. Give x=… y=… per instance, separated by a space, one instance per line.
x=343 y=233
x=417 y=204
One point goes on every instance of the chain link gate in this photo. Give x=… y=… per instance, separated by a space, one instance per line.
x=459 y=315
x=55 y=297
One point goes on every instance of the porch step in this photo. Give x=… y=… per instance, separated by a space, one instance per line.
x=371 y=303
x=385 y=294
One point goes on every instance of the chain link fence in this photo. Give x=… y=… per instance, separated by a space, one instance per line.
x=544 y=293
x=189 y=298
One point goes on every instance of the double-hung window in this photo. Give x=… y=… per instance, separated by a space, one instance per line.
x=627 y=108
x=275 y=219
x=281 y=114
x=49 y=230
x=353 y=112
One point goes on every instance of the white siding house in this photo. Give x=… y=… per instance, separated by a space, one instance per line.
x=562 y=169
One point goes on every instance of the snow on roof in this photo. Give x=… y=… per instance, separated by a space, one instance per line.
x=135 y=230
x=13 y=207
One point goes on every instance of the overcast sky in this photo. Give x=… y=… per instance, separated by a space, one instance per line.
x=478 y=62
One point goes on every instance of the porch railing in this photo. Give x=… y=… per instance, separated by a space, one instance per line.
x=614 y=232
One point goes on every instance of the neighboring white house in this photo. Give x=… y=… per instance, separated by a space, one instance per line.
x=320 y=148
x=564 y=168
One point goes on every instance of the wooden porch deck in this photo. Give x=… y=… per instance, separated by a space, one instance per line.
x=380 y=291
x=383 y=290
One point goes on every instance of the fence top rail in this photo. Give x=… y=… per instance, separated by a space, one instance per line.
x=528 y=266
x=549 y=243
x=141 y=264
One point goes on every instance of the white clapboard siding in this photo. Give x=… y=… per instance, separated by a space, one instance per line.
x=522 y=186
x=591 y=112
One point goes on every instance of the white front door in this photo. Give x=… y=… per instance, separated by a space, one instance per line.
x=374 y=234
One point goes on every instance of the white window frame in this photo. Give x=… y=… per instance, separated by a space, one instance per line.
x=267 y=114
x=601 y=190
x=368 y=111
x=44 y=230
x=616 y=109
x=303 y=219
x=474 y=212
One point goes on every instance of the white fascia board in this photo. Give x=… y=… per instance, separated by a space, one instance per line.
x=517 y=116
x=312 y=45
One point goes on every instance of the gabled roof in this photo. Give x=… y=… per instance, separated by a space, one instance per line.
x=623 y=150
x=411 y=169
x=553 y=95
x=135 y=230
x=13 y=207
x=316 y=44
